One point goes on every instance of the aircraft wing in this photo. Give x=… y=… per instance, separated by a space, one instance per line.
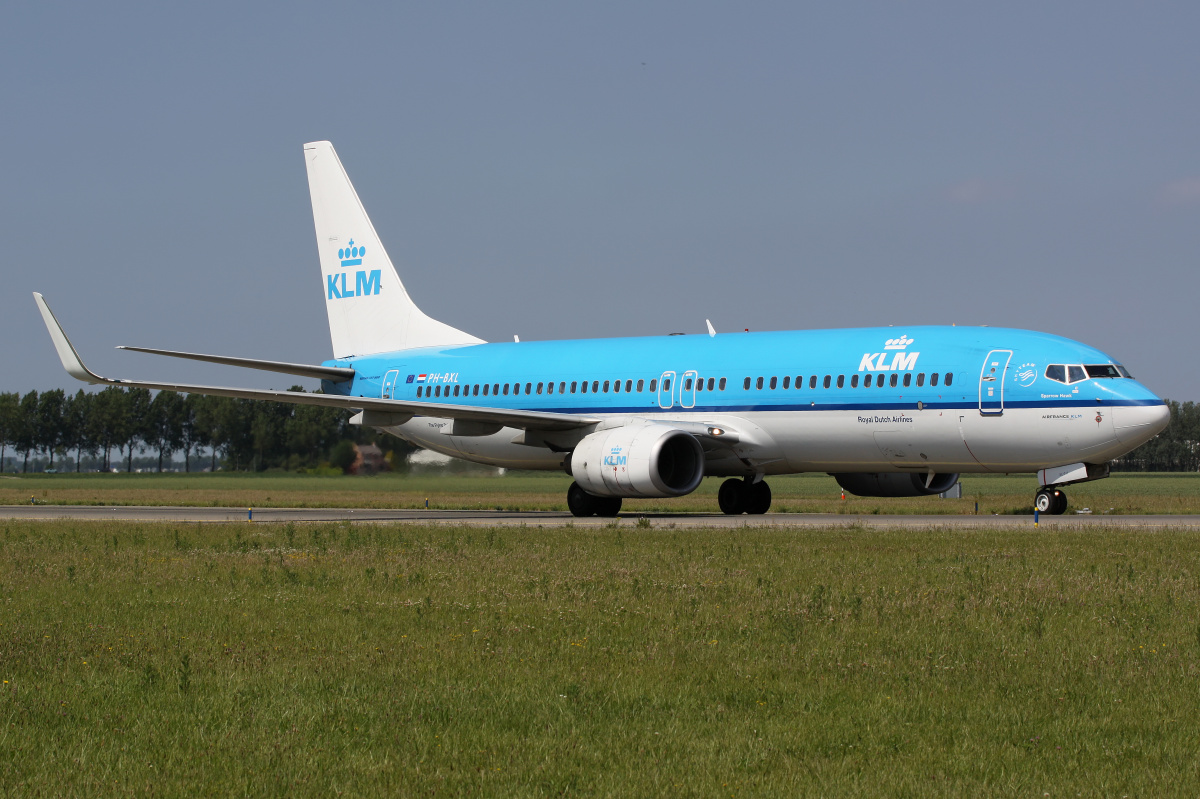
x=334 y=373
x=394 y=411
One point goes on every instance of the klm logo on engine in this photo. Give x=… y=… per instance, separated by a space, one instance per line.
x=894 y=358
x=614 y=458
x=366 y=283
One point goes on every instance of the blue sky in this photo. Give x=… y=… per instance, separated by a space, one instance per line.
x=567 y=170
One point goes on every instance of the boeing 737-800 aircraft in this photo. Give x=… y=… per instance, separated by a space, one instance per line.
x=887 y=411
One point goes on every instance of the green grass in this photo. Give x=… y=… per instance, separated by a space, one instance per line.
x=1124 y=493
x=268 y=659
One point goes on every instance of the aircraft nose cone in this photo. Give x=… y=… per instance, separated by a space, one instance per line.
x=1138 y=424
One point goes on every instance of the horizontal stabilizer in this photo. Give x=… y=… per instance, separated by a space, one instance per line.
x=337 y=374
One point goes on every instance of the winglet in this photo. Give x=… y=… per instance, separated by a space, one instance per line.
x=66 y=352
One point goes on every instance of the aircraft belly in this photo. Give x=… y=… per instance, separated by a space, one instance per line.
x=843 y=441
x=494 y=450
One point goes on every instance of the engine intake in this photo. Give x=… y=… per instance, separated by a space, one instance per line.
x=893 y=484
x=651 y=460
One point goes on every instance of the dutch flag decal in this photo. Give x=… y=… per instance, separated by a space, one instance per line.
x=420 y=378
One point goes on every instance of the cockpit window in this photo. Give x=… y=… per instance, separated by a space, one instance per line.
x=1075 y=373
x=1124 y=372
x=1056 y=372
x=1102 y=370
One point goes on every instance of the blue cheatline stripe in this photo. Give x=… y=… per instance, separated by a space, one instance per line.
x=880 y=407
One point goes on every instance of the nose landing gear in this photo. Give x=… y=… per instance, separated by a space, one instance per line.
x=743 y=496
x=1051 y=501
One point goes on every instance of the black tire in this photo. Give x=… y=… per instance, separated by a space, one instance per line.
x=1060 y=503
x=608 y=507
x=580 y=502
x=731 y=497
x=758 y=499
x=1044 y=502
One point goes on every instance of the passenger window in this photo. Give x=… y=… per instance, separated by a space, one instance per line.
x=654 y=385
x=949 y=379
x=907 y=379
x=828 y=380
x=419 y=391
x=799 y=382
x=456 y=391
x=667 y=384
x=595 y=386
x=616 y=386
x=933 y=378
x=711 y=383
x=921 y=379
x=528 y=388
x=787 y=381
x=495 y=388
x=722 y=384
x=641 y=385
x=562 y=387
x=773 y=383
x=841 y=381
x=894 y=380
x=812 y=382
x=628 y=386
x=1075 y=374
x=853 y=381
x=746 y=385
x=539 y=388
x=687 y=384
x=574 y=385
x=699 y=383
x=437 y=391
x=758 y=384
x=605 y=386
x=550 y=387
x=1056 y=372
x=867 y=381
x=583 y=387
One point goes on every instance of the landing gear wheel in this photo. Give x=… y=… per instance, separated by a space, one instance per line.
x=580 y=502
x=758 y=498
x=732 y=498
x=608 y=507
x=1051 y=501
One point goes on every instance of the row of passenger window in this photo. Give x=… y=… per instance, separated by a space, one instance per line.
x=1070 y=373
x=880 y=381
x=576 y=386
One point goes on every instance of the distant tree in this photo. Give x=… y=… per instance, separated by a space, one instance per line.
x=163 y=423
x=26 y=436
x=76 y=411
x=10 y=407
x=50 y=422
x=105 y=422
x=190 y=435
x=133 y=423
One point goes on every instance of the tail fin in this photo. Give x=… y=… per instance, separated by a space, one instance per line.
x=369 y=310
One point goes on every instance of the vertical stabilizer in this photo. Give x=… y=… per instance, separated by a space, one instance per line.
x=369 y=310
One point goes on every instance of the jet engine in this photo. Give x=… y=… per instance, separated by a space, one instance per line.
x=893 y=484
x=652 y=460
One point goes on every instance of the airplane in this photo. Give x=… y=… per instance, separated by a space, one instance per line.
x=888 y=412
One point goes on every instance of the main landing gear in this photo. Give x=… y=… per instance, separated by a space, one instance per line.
x=744 y=496
x=582 y=503
x=1050 y=500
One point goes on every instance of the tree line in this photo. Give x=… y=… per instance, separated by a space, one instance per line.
x=244 y=435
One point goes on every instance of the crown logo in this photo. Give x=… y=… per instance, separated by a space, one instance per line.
x=897 y=343
x=351 y=255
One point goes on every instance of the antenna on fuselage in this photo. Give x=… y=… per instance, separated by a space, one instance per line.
x=711 y=330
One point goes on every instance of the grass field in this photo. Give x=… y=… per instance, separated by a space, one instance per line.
x=240 y=659
x=1123 y=493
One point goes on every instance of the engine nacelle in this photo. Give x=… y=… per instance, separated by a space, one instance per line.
x=651 y=460
x=892 y=484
